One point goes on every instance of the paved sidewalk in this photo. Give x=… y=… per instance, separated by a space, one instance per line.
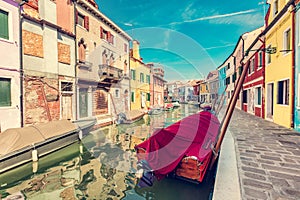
x=267 y=157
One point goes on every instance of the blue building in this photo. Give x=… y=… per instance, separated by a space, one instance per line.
x=297 y=70
x=222 y=83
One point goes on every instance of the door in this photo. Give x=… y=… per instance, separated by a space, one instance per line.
x=270 y=100
x=143 y=99
x=83 y=103
x=66 y=106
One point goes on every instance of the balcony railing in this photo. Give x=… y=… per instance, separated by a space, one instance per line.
x=109 y=73
x=84 y=65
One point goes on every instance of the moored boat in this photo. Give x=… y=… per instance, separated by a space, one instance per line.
x=184 y=148
x=176 y=104
x=155 y=111
x=129 y=117
x=169 y=107
x=21 y=145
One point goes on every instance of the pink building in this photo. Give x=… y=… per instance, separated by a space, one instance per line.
x=10 y=115
x=157 y=83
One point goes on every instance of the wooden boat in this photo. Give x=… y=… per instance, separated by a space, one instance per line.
x=129 y=117
x=176 y=104
x=184 y=148
x=155 y=111
x=22 y=145
x=172 y=150
x=169 y=107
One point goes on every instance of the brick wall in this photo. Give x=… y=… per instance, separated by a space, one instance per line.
x=64 y=55
x=41 y=98
x=100 y=102
x=32 y=44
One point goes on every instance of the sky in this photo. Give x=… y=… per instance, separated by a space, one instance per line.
x=189 y=38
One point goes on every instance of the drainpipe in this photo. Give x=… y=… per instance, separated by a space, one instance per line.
x=21 y=63
x=293 y=68
x=76 y=78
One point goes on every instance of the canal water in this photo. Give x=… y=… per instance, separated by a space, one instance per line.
x=102 y=166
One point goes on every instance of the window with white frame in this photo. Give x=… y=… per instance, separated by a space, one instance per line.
x=268 y=56
x=5 y=91
x=4 y=25
x=287 y=41
x=283 y=92
x=66 y=87
x=252 y=64
x=258 y=96
x=142 y=80
x=260 y=59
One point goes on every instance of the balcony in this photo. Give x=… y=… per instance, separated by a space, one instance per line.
x=109 y=74
x=84 y=65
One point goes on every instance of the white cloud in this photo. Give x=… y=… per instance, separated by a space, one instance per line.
x=218 y=16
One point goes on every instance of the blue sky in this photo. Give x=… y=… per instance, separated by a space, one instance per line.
x=190 y=38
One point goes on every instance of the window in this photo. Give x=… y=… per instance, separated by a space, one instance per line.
x=275 y=7
x=66 y=87
x=253 y=65
x=82 y=20
x=117 y=93
x=287 y=41
x=148 y=79
x=132 y=96
x=233 y=77
x=133 y=74
x=283 y=92
x=4 y=33
x=106 y=35
x=125 y=48
x=228 y=94
x=142 y=80
x=148 y=96
x=268 y=55
x=5 y=91
x=227 y=82
x=258 y=96
x=228 y=66
x=245 y=92
x=260 y=57
x=240 y=70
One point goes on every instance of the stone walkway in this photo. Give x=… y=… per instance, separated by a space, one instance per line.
x=267 y=159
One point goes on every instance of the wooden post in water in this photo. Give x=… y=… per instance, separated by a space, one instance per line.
x=228 y=114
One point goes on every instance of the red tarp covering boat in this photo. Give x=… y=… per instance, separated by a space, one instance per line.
x=191 y=137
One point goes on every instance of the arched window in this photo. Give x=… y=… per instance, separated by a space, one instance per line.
x=81 y=50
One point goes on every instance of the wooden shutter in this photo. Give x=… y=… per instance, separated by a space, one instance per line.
x=108 y=37
x=86 y=23
x=101 y=32
x=76 y=17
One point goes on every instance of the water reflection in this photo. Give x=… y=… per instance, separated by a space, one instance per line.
x=102 y=166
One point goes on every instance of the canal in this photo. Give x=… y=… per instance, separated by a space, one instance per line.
x=102 y=166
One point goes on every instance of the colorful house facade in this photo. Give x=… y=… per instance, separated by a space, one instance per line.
x=140 y=80
x=297 y=68
x=48 y=61
x=10 y=104
x=279 y=82
x=222 y=84
x=253 y=85
x=213 y=86
x=157 y=83
x=102 y=65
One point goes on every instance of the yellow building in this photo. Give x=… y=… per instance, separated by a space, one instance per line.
x=204 y=92
x=140 y=80
x=279 y=62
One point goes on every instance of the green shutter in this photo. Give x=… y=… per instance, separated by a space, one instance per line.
x=132 y=96
x=148 y=96
x=5 y=92
x=4 y=25
x=133 y=74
